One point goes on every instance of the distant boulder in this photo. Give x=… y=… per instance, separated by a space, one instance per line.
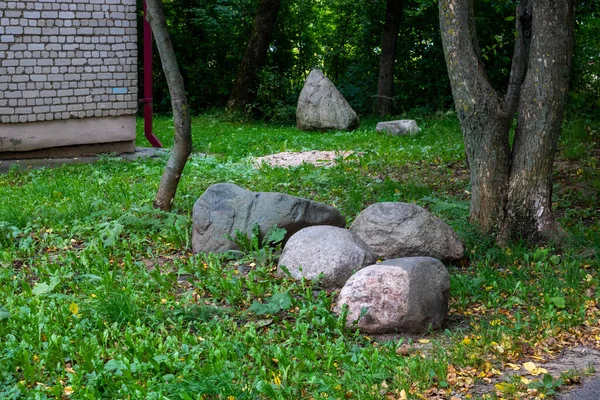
x=321 y=106
x=402 y=295
x=399 y=127
x=225 y=208
x=395 y=230
x=332 y=252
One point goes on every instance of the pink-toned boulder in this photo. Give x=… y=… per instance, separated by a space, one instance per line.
x=401 y=295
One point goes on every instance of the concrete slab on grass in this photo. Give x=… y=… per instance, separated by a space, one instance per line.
x=140 y=153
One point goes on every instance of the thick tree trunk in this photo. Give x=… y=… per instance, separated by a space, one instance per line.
x=246 y=82
x=182 y=146
x=541 y=110
x=481 y=113
x=511 y=189
x=385 y=84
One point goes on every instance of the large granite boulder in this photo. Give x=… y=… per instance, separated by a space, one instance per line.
x=402 y=295
x=225 y=208
x=321 y=106
x=335 y=253
x=399 y=127
x=396 y=230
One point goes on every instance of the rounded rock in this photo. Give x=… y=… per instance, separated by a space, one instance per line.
x=335 y=253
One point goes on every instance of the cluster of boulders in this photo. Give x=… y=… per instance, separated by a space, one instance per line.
x=407 y=292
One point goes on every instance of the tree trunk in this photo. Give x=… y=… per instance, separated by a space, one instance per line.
x=511 y=188
x=520 y=58
x=389 y=37
x=246 y=82
x=541 y=110
x=481 y=114
x=182 y=146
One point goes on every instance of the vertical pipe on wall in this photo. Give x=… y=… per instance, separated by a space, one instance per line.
x=148 y=84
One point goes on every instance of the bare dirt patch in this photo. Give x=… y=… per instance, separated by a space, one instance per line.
x=294 y=159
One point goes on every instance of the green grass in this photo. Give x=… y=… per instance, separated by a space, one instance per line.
x=100 y=296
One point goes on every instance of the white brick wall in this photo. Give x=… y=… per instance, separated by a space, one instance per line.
x=62 y=59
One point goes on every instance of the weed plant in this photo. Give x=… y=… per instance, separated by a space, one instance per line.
x=100 y=296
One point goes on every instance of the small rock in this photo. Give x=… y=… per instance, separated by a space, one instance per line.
x=399 y=127
x=403 y=350
x=395 y=230
x=321 y=106
x=402 y=295
x=334 y=252
x=225 y=208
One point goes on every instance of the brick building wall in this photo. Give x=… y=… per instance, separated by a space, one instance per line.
x=67 y=65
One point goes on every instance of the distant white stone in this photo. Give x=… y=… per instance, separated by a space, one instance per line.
x=321 y=106
x=399 y=127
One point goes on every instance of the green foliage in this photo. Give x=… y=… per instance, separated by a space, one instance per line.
x=4 y=313
x=585 y=76
x=278 y=302
x=343 y=38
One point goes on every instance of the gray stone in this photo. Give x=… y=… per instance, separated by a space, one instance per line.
x=321 y=106
x=334 y=252
x=225 y=208
x=395 y=230
x=399 y=128
x=402 y=295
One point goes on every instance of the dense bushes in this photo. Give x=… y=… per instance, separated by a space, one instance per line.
x=342 y=37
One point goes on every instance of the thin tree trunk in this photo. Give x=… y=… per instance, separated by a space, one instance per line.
x=246 y=82
x=541 y=110
x=385 y=84
x=182 y=146
x=481 y=114
x=520 y=58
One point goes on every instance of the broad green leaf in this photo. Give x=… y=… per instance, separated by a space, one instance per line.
x=275 y=235
x=558 y=302
x=114 y=365
x=4 y=313
x=45 y=288
x=262 y=309
x=111 y=233
x=282 y=299
x=498 y=38
x=511 y=18
x=91 y=277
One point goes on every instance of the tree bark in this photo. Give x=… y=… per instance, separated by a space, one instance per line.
x=389 y=37
x=520 y=56
x=511 y=188
x=481 y=114
x=541 y=109
x=182 y=146
x=246 y=82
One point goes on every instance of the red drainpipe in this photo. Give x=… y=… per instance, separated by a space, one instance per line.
x=147 y=100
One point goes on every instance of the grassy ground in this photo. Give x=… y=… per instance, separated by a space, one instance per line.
x=100 y=297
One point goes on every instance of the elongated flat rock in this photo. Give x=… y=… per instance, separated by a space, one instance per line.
x=225 y=208
x=399 y=127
